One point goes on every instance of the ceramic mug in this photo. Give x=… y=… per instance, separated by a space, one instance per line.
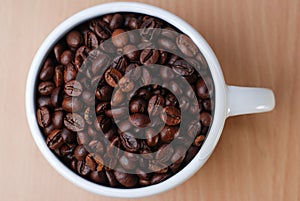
x=229 y=100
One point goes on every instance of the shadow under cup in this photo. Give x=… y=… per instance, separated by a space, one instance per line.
x=126 y=111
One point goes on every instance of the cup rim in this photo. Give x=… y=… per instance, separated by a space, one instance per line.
x=213 y=136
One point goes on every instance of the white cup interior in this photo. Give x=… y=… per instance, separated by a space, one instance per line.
x=220 y=99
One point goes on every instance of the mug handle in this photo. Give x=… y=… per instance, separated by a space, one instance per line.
x=248 y=100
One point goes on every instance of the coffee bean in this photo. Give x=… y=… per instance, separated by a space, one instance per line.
x=186 y=45
x=89 y=116
x=74 y=39
x=99 y=63
x=131 y=52
x=54 y=140
x=73 y=88
x=129 y=142
x=202 y=90
x=167 y=44
x=82 y=168
x=205 y=118
x=194 y=129
x=102 y=123
x=44 y=101
x=58 y=119
x=70 y=104
x=100 y=28
x=156 y=178
x=80 y=152
x=66 y=57
x=48 y=130
x=152 y=137
x=112 y=77
x=126 y=85
x=191 y=153
x=58 y=75
x=134 y=23
x=199 y=140
x=208 y=104
x=46 y=88
x=94 y=162
x=68 y=136
x=182 y=67
x=66 y=151
x=69 y=73
x=149 y=56
x=99 y=177
x=126 y=163
x=102 y=107
x=90 y=40
x=83 y=138
x=116 y=21
x=125 y=179
x=139 y=120
x=144 y=94
x=111 y=178
x=119 y=38
x=58 y=49
x=164 y=153
x=117 y=98
x=74 y=122
x=138 y=106
x=47 y=70
x=43 y=117
x=155 y=105
x=104 y=93
x=171 y=100
x=168 y=133
x=80 y=57
x=171 y=115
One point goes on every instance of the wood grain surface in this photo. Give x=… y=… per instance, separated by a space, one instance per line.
x=257 y=43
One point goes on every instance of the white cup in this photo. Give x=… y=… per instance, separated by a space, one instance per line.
x=229 y=100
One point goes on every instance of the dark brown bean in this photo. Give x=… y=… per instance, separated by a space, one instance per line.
x=186 y=45
x=46 y=88
x=129 y=142
x=74 y=122
x=66 y=57
x=112 y=77
x=155 y=105
x=54 y=140
x=74 y=39
x=119 y=38
x=70 y=104
x=69 y=73
x=139 y=120
x=152 y=137
x=171 y=115
x=127 y=180
x=168 y=133
x=205 y=118
x=47 y=70
x=73 y=88
x=58 y=119
x=43 y=117
x=149 y=56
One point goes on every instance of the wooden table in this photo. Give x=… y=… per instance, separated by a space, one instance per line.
x=257 y=43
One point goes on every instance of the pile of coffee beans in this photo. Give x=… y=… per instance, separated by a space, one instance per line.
x=125 y=100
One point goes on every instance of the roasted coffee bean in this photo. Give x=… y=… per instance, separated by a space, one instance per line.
x=126 y=85
x=149 y=56
x=116 y=21
x=205 y=118
x=164 y=153
x=99 y=64
x=66 y=57
x=139 y=120
x=111 y=178
x=58 y=49
x=191 y=153
x=208 y=104
x=102 y=123
x=156 y=178
x=74 y=122
x=82 y=138
x=88 y=97
x=125 y=179
x=99 y=177
x=89 y=116
x=43 y=117
x=117 y=98
x=46 y=88
x=182 y=67
x=171 y=100
x=44 y=101
x=70 y=104
x=193 y=129
x=171 y=115
x=199 y=140
x=129 y=142
x=56 y=97
x=112 y=77
x=80 y=57
x=138 y=106
x=47 y=70
x=158 y=166
x=152 y=137
x=100 y=28
x=126 y=163
x=66 y=151
x=155 y=105
x=178 y=155
x=168 y=133
x=131 y=52
x=54 y=140
x=147 y=28
x=69 y=73
x=202 y=90
x=48 y=130
x=119 y=38
x=134 y=23
x=90 y=40
x=80 y=152
x=73 y=88
x=58 y=119
x=102 y=107
x=104 y=93
x=167 y=44
x=68 y=136
x=58 y=75
x=144 y=94
x=94 y=162
x=74 y=39
x=186 y=45
x=82 y=168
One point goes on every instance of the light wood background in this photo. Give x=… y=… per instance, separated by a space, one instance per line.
x=257 y=43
